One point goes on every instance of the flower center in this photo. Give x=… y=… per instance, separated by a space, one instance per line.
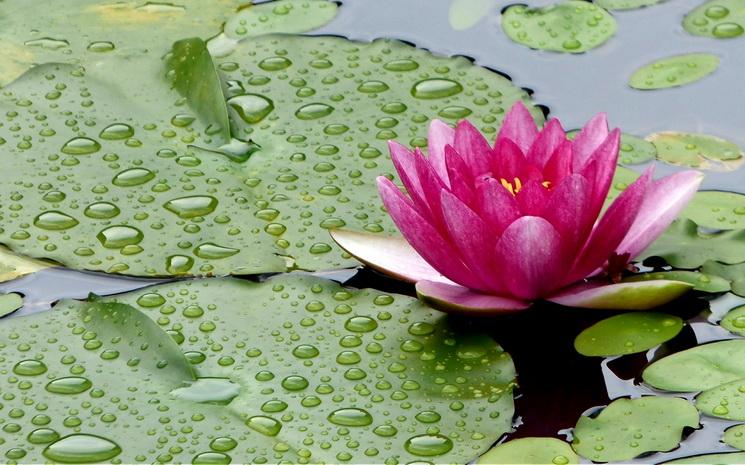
x=516 y=184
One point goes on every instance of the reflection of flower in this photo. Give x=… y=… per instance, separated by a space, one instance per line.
x=494 y=228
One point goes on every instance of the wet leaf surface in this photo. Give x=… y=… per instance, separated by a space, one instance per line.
x=9 y=303
x=720 y=19
x=733 y=273
x=701 y=281
x=625 y=4
x=627 y=333
x=734 y=320
x=699 y=151
x=684 y=246
x=717 y=210
x=674 y=71
x=531 y=451
x=735 y=437
x=724 y=401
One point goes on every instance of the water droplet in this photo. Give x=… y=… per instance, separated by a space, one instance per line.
x=192 y=206
x=100 y=47
x=29 y=368
x=133 y=177
x=274 y=63
x=435 y=88
x=305 y=351
x=216 y=391
x=117 y=131
x=401 y=65
x=42 y=436
x=372 y=87
x=69 y=385
x=81 y=146
x=150 y=300
x=267 y=426
x=350 y=417
x=728 y=30
x=428 y=416
x=116 y=237
x=211 y=458
x=428 y=445
x=313 y=111
x=101 y=210
x=55 y=221
x=212 y=251
x=252 y=108
x=223 y=444
x=360 y=324
x=82 y=448
x=273 y=406
x=179 y=264
x=294 y=383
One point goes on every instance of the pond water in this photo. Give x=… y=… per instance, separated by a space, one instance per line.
x=556 y=384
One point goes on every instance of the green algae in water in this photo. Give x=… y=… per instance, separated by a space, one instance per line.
x=719 y=19
x=674 y=71
x=572 y=26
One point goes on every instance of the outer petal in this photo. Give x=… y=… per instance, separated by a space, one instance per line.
x=623 y=296
x=600 y=170
x=458 y=299
x=593 y=133
x=496 y=205
x=423 y=237
x=473 y=147
x=664 y=201
x=392 y=256
x=531 y=255
x=461 y=181
x=566 y=210
x=547 y=141
x=440 y=135
x=519 y=127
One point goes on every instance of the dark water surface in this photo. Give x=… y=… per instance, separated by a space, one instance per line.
x=557 y=385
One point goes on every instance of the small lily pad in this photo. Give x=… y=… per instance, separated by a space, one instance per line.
x=698 y=368
x=735 y=274
x=700 y=151
x=9 y=303
x=735 y=437
x=720 y=19
x=531 y=451
x=464 y=14
x=732 y=458
x=674 y=71
x=682 y=245
x=571 y=26
x=701 y=281
x=629 y=427
x=734 y=320
x=627 y=333
x=724 y=401
x=286 y=16
x=625 y=4
x=717 y=209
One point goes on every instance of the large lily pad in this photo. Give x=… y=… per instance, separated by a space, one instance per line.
x=570 y=26
x=627 y=333
x=674 y=71
x=735 y=274
x=699 y=368
x=720 y=19
x=717 y=210
x=700 y=151
x=629 y=427
x=724 y=401
x=196 y=371
x=682 y=245
x=531 y=451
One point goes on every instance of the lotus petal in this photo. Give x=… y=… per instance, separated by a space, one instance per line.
x=452 y=298
x=643 y=295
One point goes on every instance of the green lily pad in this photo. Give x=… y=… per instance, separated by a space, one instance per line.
x=733 y=273
x=698 y=368
x=625 y=4
x=717 y=209
x=464 y=14
x=701 y=281
x=724 y=401
x=674 y=71
x=9 y=303
x=384 y=374
x=731 y=458
x=571 y=26
x=735 y=437
x=682 y=245
x=697 y=151
x=531 y=451
x=734 y=320
x=627 y=428
x=628 y=333
x=720 y=19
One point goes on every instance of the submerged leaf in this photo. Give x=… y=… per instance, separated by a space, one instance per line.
x=700 y=151
x=720 y=19
x=627 y=333
x=674 y=71
x=531 y=451
x=629 y=427
x=570 y=26
x=717 y=210
x=682 y=245
x=384 y=371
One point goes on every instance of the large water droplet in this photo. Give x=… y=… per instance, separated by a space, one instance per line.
x=29 y=368
x=350 y=417
x=313 y=111
x=192 y=206
x=133 y=177
x=252 y=108
x=212 y=251
x=101 y=210
x=82 y=448
x=116 y=237
x=117 y=131
x=294 y=383
x=42 y=436
x=179 y=264
x=428 y=445
x=81 y=146
x=265 y=425
x=69 y=385
x=55 y=221
x=360 y=324
x=211 y=458
x=435 y=88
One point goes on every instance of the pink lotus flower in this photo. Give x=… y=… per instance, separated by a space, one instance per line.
x=492 y=229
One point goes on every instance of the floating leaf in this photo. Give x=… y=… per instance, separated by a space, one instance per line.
x=629 y=427
x=732 y=458
x=625 y=4
x=724 y=401
x=464 y=14
x=717 y=210
x=697 y=151
x=734 y=320
x=733 y=273
x=721 y=19
x=682 y=245
x=701 y=281
x=570 y=26
x=385 y=374
x=14 y=266
x=627 y=333
x=699 y=368
x=674 y=71
x=735 y=437
x=9 y=303
x=531 y=451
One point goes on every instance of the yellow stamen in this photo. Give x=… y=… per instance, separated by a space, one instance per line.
x=516 y=185
x=546 y=184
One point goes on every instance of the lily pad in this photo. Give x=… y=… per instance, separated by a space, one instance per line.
x=682 y=245
x=725 y=401
x=464 y=14
x=720 y=19
x=700 y=151
x=733 y=273
x=731 y=458
x=627 y=333
x=701 y=281
x=384 y=374
x=735 y=437
x=9 y=303
x=571 y=26
x=717 y=210
x=674 y=71
x=699 y=368
x=734 y=320
x=629 y=427
x=531 y=451
x=625 y=4
x=14 y=266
